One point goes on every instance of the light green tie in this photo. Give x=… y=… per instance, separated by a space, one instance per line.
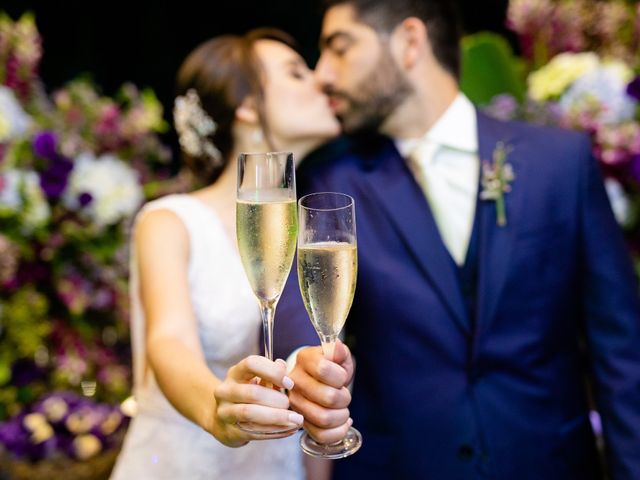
x=448 y=197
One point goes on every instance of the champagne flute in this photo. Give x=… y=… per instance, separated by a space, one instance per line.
x=327 y=271
x=266 y=228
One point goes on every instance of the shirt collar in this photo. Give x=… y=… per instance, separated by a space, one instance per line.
x=457 y=128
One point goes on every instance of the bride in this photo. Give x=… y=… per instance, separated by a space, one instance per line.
x=195 y=322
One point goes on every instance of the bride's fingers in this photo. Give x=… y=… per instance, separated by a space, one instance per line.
x=257 y=366
x=251 y=413
x=245 y=393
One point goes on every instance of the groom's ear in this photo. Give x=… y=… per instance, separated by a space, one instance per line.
x=247 y=112
x=410 y=41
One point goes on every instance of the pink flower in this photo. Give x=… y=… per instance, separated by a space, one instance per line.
x=108 y=119
x=618 y=144
x=75 y=116
x=75 y=292
x=502 y=107
x=569 y=26
x=102 y=299
x=527 y=17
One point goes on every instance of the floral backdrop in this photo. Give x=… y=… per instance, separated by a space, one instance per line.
x=580 y=61
x=75 y=166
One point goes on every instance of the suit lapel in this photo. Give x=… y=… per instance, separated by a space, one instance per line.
x=406 y=207
x=496 y=242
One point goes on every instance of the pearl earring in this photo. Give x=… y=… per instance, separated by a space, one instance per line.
x=256 y=137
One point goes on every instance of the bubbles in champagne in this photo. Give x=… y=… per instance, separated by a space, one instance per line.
x=266 y=231
x=327 y=274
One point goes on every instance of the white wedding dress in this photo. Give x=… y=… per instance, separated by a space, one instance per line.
x=161 y=443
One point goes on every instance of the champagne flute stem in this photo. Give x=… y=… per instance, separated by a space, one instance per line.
x=328 y=347
x=267 y=310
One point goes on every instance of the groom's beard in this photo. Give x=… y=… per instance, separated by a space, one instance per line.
x=374 y=99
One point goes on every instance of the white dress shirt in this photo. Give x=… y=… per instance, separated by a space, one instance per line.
x=445 y=164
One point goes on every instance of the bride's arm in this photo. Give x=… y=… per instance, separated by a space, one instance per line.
x=173 y=349
x=317 y=468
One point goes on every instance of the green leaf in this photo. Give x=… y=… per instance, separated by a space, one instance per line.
x=489 y=68
x=5 y=373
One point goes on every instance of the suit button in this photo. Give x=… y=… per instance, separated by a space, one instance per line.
x=465 y=452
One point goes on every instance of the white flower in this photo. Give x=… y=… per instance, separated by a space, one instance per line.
x=10 y=198
x=21 y=193
x=86 y=446
x=619 y=201
x=40 y=429
x=55 y=408
x=112 y=184
x=14 y=122
x=606 y=89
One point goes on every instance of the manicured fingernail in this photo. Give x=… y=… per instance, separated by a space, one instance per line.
x=287 y=383
x=296 y=418
x=350 y=421
x=281 y=362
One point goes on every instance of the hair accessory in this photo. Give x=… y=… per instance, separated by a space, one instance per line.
x=194 y=127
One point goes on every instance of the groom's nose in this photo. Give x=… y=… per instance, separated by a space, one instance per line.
x=325 y=73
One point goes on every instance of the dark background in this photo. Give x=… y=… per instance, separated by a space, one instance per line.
x=145 y=43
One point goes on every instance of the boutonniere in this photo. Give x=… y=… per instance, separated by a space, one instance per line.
x=496 y=180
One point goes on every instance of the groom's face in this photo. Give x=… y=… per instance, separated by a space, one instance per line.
x=357 y=70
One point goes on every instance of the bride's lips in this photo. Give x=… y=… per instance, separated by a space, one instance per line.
x=335 y=104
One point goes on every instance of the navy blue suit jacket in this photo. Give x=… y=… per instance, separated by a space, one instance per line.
x=439 y=396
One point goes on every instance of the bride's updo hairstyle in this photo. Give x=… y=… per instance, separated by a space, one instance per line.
x=212 y=83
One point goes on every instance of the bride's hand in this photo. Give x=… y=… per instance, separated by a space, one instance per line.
x=240 y=399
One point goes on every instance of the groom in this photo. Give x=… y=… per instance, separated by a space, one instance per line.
x=475 y=333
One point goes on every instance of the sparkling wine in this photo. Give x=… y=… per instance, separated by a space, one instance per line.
x=266 y=230
x=327 y=275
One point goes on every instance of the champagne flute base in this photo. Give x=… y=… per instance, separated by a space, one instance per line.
x=263 y=431
x=349 y=445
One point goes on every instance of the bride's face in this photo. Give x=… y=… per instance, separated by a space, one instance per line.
x=295 y=109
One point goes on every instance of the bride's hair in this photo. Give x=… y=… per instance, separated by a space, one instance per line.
x=212 y=83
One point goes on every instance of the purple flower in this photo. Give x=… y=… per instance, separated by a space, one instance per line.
x=11 y=430
x=59 y=424
x=85 y=199
x=633 y=89
x=25 y=372
x=73 y=400
x=20 y=442
x=502 y=107
x=13 y=436
x=44 y=144
x=54 y=179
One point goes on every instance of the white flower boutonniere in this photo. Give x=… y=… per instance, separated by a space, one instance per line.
x=496 y=180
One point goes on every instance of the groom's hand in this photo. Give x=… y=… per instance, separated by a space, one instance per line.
x=320 y=393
